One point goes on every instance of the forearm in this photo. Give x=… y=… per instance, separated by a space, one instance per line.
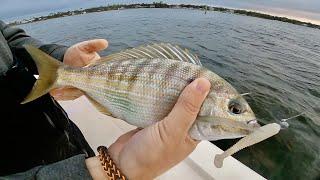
x=71 y=168
x=17 y=37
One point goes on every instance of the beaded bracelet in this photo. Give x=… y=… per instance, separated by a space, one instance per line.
x=109 y=166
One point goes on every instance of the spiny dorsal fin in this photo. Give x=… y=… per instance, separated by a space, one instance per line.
x=160 y=50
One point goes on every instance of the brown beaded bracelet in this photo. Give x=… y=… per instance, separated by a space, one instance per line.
x=109 y=166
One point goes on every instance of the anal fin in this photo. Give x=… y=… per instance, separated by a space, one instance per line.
x=99 y=107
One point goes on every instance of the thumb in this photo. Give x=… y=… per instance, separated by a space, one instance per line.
x=92 y=45
x=187 y=107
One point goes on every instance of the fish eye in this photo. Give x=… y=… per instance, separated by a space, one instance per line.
x=235 y=107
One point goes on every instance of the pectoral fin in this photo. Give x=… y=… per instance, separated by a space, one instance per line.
x=99 y=107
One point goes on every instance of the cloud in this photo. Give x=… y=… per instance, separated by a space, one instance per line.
x=301 y=5
x=14 y=8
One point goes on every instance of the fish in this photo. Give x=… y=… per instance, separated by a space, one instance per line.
x=141 y=85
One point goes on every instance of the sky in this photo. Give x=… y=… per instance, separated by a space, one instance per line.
x=306 y=10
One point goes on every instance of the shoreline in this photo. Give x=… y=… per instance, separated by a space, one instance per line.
x=167 y=6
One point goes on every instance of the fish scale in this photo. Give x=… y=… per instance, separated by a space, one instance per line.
x=137 y=81
x=141 y=86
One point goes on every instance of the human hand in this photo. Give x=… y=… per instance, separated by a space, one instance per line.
x=79 y=55
x=147 y=153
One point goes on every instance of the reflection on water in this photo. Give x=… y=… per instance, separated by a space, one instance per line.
x=277 y=62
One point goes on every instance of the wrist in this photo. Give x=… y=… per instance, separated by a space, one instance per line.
x=135 y=170
x=109 y=166
x=95 y=169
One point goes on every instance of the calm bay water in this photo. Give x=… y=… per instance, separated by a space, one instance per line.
x=278 y=63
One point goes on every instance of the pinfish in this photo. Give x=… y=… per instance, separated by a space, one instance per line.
x=141 y=85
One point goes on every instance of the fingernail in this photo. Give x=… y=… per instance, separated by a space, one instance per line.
x=58 y=94
x=201 y=86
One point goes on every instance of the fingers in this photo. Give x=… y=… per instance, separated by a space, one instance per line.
x=188 y=105
x=64 y=94
x=93 y=45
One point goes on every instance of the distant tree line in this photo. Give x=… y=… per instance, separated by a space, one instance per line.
x=164 y=5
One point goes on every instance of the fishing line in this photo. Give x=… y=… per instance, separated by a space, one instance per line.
x=283 y=122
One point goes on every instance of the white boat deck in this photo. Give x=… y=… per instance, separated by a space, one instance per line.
x=103 y=130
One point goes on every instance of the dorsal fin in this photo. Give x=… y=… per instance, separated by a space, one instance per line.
x=161 y=50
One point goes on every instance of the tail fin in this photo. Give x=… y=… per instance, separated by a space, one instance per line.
x=47 y=68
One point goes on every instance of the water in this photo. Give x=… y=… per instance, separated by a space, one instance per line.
x=277 y=62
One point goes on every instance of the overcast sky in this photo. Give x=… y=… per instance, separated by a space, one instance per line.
x=308 y=9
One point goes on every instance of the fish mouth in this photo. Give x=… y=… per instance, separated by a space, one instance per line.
x=253 y=124
x=220 y=128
